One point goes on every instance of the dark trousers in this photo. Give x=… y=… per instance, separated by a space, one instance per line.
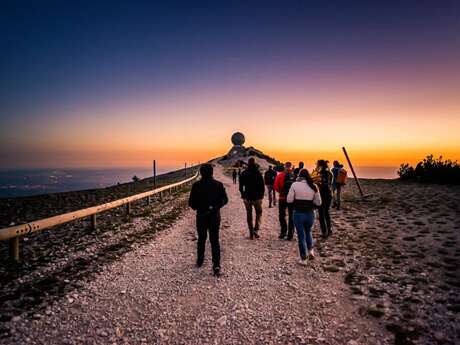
x=286 y=227
x=234 y=179
x=337 y=191
x=323 y=214
x=208 y=223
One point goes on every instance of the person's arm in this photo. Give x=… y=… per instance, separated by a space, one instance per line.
x=223 y=195
x=261 y=183
x=277 y=183
x=192 y=200
x=317 y=198
x=241 y=181
x=291 y=195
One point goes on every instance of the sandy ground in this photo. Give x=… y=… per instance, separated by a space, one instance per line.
x=155 y=295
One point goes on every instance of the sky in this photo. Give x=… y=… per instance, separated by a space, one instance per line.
x=111 y=84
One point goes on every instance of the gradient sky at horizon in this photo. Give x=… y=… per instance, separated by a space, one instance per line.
x=97 y=84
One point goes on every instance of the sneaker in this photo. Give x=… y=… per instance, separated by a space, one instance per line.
x=303 y=262
x=281 y=237
x=256 y=235
x=217 y=272
x=311 y=254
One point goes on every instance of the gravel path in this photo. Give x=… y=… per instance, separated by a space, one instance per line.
x=155 y=295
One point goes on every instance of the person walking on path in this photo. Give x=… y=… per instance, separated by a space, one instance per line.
x=305 y=197
x=322 y=176
x=252 y=191
x=269 y=179
x=234 y=175
x=339 y=180
x=207 y=197
x=283 y=182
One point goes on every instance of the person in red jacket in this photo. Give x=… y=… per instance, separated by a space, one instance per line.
x=283 y=182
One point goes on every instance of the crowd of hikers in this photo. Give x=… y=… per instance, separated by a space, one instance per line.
x=300 y=193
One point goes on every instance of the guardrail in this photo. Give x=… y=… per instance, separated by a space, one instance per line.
x=13 y=233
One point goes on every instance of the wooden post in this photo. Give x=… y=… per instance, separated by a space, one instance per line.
x=161 y=196
x=154 y=174
x=14 y=249
x=185 y=169
x=148 y=200
x=353 y=171
x=128 y=208
x=94 y=221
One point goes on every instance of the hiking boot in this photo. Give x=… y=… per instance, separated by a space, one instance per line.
x=217 y=272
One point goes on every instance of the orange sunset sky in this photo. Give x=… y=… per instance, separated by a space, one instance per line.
x=299 y=82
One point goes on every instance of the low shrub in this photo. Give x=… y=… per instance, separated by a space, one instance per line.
x=432 y=170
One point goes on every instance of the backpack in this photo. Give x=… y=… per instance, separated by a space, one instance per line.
x=289 y=179
x=342 y=176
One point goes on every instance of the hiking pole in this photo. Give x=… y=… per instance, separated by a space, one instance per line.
x=353 y=171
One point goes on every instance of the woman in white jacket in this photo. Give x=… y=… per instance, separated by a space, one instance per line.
x=305 y=196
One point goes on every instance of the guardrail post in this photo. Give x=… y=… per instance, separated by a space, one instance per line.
x=128 y=208
x=148 y=200
x=161 y=196
x=14 y=248
x=94 y=221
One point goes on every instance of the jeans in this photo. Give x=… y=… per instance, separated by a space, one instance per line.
x=271 y=195
x=209 y=222
x=289 y=226
x=303 y=223
x=337 y=190
x=257 y=204
x=323 y=213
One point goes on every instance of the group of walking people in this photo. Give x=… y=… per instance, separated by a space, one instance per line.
x=300 y=193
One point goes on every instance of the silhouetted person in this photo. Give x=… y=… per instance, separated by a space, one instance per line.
x=283 y=183
x=339 y=180
x=297 y=170
x=234 y=175
x=305 y=197
x=207 y=197
x=323 y=178
x=269 y=179
x=252 y=191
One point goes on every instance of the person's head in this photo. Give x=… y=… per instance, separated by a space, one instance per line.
x=251 y=162
x=301 y=165
x=270 y=167
x=287 y=166
x=336 y=164
x=305 y=175
x=206 y=171
x=322 y=164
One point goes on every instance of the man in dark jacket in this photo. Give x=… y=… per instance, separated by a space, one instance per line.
x=269 y=179
x=252 y=191
x=207 y=197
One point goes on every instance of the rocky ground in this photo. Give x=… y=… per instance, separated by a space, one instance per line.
x=389 y=274
x=154 y=294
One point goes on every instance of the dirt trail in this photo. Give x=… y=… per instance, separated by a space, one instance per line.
x=155 y=295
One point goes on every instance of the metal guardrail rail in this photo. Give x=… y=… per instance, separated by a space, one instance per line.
x=13 y=233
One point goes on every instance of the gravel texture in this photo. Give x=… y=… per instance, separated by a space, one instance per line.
x=155 y=295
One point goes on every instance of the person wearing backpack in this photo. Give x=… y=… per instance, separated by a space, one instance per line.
x=339 y=180
x=304 y=195
x=269 y=179
x=323 y=177
x=252 y=191
x=283 y=182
